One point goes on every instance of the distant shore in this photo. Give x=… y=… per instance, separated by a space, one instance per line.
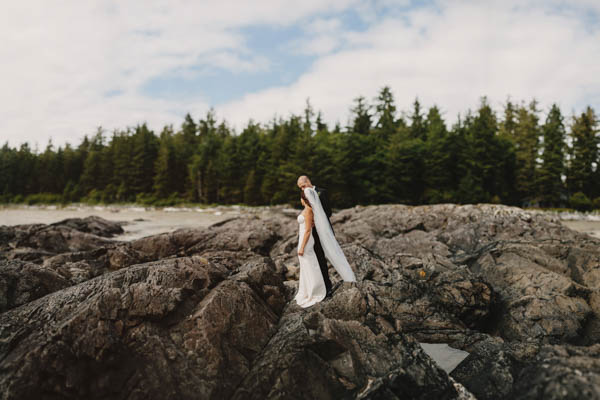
x=142 y=220
x=139 y=220
x=592 y=228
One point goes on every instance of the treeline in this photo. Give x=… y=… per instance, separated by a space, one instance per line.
x=525 y=157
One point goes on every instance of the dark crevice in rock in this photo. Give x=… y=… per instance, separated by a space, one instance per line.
x=221 y=223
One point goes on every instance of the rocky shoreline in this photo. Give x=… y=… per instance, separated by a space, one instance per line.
x=208 y=312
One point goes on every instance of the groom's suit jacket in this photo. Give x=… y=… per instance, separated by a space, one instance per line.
x=324 y=200
x=325 y=203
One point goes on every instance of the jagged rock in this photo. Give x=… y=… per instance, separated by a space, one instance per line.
x=491 y=369
x=188 y=328
x=561 y=372
x=22 y=282
x=36 y=242
x=543 y=273
x=94 y=225
x=536 y=302
x=496 y=369
x=209 y=313
x=175 y=328
x=312 y=356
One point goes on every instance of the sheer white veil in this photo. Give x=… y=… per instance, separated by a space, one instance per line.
x=331 y=247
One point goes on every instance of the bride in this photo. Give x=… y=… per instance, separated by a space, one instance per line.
x=311 y=288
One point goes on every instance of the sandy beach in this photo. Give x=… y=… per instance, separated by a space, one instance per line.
x=140 y=221
x=144 y=221
x=590 y=227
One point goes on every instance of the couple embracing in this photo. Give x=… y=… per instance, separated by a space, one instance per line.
x=316 y=243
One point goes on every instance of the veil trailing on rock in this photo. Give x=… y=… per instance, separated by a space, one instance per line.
x=331 y=247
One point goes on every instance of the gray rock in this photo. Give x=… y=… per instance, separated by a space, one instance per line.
x=94 y=225
x=36 y=242
x=22 y=282
x=561 y=372
x=543 y=274
x=209 y=313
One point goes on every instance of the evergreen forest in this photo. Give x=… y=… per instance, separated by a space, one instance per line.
x=521 y=156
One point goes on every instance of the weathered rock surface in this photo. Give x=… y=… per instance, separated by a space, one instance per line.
x=36 y=242
x=208 y=313
x=22 y=282
x=92 y=224
x=543 y=274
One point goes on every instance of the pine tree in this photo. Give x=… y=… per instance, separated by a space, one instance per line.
x=251 y=189
x=164 y=167
x=93 y=172
x=417 y=123
x=361 y=122
x=96 y=172
x=189 y=130
x=27 y=181
x=438 y=162
x=8 y=173
x=145 y=152
x=206 y=168
x=122 y=157
x=386 y=113
x=485 y=156
x=231 y=191
x=508 y=125
x=49 y=171
x=526 y=140
x=583 y=153
x=249 y=149
x=550 y=175
x=405 y=166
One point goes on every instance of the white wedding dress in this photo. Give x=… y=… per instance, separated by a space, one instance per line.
x=311 y=288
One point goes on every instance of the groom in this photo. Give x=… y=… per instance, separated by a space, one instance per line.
x=304 y=182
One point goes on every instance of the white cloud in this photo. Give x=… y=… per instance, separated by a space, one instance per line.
x=450 y=55
x=322 y=36
x=60 y=59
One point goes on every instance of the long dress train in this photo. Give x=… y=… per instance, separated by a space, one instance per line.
x=330 y=245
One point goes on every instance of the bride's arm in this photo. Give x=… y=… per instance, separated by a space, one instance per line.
x=308 y=223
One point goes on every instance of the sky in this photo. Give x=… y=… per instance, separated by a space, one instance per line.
x=69 y=67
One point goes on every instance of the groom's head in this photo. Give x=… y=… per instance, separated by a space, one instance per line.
x=303 y=182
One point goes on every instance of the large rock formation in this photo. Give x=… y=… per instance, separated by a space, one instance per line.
x=208 y=313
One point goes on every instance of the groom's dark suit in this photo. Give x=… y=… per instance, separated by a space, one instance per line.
x=317 y=246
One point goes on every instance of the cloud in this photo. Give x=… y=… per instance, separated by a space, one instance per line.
x=450 y=54
x=60 y=59
x=323 y=36
x=70 y=66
